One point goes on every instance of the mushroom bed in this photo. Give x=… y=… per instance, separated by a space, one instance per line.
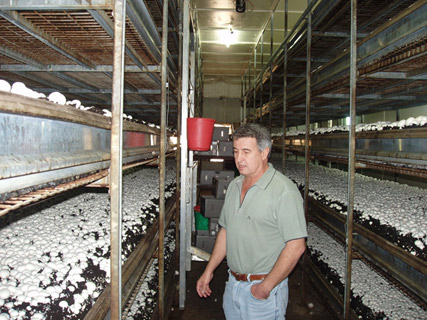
x=372 y=296
x=54 y=257
x=397 y=212
x=145 y=301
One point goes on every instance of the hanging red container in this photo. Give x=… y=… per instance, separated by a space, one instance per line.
x=199 y=133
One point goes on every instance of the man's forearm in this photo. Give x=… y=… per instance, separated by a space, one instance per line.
x=285 y=263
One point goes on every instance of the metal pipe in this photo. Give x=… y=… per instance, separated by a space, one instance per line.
x=241 y=99
x=116 y=159
x=351 y=158
x=285 y=84
x=192 y=185
x=307 y=112
x=253 y=85
x=178 y=152
x=270 y=108
x=162 y=164
x=39 y=178
x=184 y=152
x=244 y=109
x=261 y=88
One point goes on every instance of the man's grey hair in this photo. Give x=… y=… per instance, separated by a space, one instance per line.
x=254 y=130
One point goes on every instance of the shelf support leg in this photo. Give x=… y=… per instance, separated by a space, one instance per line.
x=351 y=157
x=307 y=112
x=285 y=84
x=184 y=154
x=116 y=160
x=162 y=164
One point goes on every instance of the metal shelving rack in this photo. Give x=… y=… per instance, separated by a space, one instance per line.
x=345 y=58
x=110 y=55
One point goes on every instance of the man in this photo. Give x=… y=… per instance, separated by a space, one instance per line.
x=262 y=233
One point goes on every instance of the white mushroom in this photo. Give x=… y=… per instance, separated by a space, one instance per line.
x=4 y=85
x=57 y=97
x=76 y=103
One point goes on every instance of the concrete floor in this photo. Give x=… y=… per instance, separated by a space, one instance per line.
x=304 y=302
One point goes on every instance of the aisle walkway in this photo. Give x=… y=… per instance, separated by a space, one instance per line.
x=197 y=308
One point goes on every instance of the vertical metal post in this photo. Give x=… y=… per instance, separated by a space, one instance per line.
x=245 y=99
x=254 y=83
x=241 y=98
x=271 y=71
x=190 y=167
x=249 y=82
x=262 y=77
x=285 y=84
x=116 y=160
x=184 y=153
x=307 y=113
x=194 y=169
x=244 y=83
x=351 y=157
x=162 y=164
x=178 y=152
x=192 y=81
x=244 y=109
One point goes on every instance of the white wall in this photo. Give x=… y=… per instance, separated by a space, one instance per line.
x=413 y=112
x=223 y=110
x=222 y=101
x=221 y=89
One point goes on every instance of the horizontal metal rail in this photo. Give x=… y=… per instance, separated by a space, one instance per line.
x=17 y=104
x=21 y=182
x=26 y=199
x=392 y=165
x=410 y=133
x=36 y=196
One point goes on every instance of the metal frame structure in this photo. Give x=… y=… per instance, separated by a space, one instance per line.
x=325 y=88
x=46 y=61
x=388 y=60
x=110 y=148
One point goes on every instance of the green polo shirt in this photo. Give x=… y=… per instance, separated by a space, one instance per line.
x=257 y=230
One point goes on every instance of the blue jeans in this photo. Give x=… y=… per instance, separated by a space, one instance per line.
x=240 y=304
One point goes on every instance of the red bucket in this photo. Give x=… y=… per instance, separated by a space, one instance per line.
x=199 y=133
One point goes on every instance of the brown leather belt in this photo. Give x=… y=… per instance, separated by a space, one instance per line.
x=248 y=277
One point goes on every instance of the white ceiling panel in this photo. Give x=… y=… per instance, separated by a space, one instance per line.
x=216 y=17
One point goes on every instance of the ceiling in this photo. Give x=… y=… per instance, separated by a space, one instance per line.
x=252 y=30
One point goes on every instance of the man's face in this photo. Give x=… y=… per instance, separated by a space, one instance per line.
x=249 y=160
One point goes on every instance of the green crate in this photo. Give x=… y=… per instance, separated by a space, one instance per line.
x=202 y=223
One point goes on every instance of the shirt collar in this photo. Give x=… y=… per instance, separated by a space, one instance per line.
x=265 y=179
